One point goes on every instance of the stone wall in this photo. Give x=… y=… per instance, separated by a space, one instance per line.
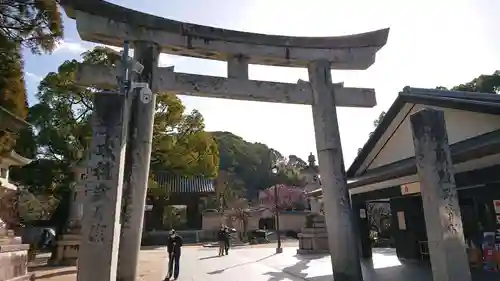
x=289 y=221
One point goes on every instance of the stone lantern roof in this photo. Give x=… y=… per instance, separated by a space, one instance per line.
x=312 y=168
x=10 y=122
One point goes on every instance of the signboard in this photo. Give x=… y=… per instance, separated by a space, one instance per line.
x=496 y=205
x=148 y=208
x=362 y=213
x=410 y=188
x=401 y=220
x=488 y=249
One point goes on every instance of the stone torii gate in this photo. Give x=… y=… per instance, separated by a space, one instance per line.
x=122 y=123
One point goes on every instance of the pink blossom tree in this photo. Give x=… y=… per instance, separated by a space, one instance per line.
x=288 y=197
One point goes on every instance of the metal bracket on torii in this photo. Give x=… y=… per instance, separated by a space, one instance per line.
x=124 y=80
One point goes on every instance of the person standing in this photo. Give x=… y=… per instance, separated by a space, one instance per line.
x=174 y=245
x=227 y=239
x=221 y=238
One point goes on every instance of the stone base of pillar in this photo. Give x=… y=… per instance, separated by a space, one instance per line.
x=13 y=259
x=67 y=250
x=314 y=238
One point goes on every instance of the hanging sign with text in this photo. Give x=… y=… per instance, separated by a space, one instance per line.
x=410 y=188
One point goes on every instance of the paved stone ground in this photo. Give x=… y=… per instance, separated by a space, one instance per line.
x=197 y=264
x=259 y=263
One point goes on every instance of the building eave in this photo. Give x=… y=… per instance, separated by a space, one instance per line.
x=473 y=148
x=467 y=101
x=486 y=145
x=10 y=122
x=14 y=159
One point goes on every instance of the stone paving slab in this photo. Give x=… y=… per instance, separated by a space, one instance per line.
x=197 y=264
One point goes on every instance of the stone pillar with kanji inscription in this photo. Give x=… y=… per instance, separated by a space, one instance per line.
x=100 y=236
x=443 y=220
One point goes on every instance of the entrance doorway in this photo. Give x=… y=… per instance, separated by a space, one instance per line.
x=267 y=223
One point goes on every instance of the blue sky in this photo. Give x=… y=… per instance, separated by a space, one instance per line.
x=431 y=43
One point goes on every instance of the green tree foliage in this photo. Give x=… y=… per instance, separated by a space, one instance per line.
x=61 y=121
x=247 y=166
x=35 y=24
x=31 y=207
x=484 y=84
x=180 y=144
x=228 y=186
x=379 y=119
x=12 y=91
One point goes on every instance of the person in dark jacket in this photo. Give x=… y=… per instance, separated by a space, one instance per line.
x=221 y=238
x=227 y=238
x=174 y=245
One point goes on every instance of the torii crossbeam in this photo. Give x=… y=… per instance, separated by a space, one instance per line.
x=168 y=81
x=106 y=23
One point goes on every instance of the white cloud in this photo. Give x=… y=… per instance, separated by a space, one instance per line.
x=70 y=47
x=33 y=76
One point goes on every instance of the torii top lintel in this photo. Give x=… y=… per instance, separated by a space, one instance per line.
x=103 y=22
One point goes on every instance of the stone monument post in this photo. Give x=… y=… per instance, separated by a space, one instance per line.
x=439 y=196
x=98 y=254
x=137 y=165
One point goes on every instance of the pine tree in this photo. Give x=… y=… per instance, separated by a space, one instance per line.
x=12 y=90
x=33 y=24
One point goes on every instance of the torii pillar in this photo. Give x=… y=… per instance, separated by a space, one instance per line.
x=106 y=23
x=342 y=237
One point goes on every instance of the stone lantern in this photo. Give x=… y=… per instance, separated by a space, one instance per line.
x=13 y=254
x=68 y=244
x=313 y=238
x=311 y=176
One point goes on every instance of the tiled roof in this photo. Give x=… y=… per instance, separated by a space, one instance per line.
x=182 y=184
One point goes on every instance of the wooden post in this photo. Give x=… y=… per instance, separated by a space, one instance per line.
x=100 y=222
x=137 y=166
x=439 y=196
x=342 y=237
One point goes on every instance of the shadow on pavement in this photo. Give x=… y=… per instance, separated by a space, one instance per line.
x=55 y=274
x=219 y=271
x=384 y=266
x=295 y=270
x=153 y=247
x=209 y=257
